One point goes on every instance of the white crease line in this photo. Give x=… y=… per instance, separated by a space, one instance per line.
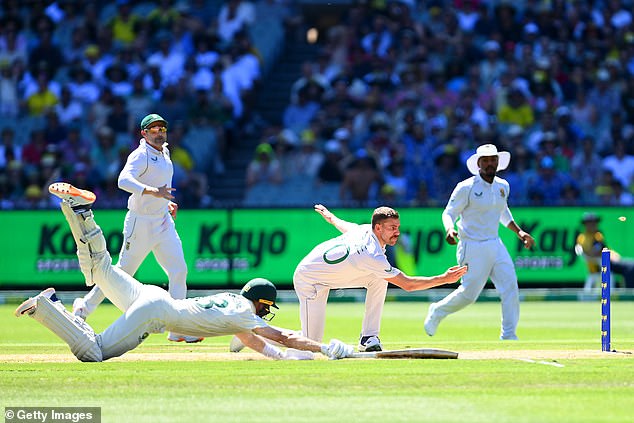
x=548 y=363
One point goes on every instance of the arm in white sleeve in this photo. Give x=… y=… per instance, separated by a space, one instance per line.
x=457 y=202
x=135 y=166
x=506 y=217
x=342 y=225
x=447 y=221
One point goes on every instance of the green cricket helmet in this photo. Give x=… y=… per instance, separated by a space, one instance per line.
x=260 y=290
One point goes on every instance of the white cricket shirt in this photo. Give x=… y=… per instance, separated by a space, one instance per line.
x=216 y=315
x=481 y=207
x=352 y=255
x=146 y=167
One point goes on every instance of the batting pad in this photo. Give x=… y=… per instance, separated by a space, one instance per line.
x=75 y=332
x=85 y=232
x=411 y=353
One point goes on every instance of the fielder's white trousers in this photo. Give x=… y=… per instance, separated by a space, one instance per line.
x=142 y=235
x=313 y=297
x=486 y=259
x=147 y=309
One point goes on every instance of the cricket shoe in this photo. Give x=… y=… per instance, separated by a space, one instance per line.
x=509 y=338
x=175 y=337
x=370 y=344
x=431 y=321
x=236 y=345
x=29 y=306
x=75 y=197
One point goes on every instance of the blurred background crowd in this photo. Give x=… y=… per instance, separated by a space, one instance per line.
x=389 y=99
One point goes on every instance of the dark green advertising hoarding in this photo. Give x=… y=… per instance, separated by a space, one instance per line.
x=224 y=248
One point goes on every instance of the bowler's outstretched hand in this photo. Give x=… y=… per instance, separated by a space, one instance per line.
x=325 y=213
x=454 y=273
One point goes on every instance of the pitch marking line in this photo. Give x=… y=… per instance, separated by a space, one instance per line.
x=548 y=363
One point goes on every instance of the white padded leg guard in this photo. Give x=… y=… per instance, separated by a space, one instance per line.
x=88 y=237
x=80 y=337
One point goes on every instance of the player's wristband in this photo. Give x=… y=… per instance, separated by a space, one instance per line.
x=273 y=352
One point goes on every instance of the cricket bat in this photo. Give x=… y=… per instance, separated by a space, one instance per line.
x=410 y=353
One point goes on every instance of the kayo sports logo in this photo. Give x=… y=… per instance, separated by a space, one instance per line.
x=234 y=242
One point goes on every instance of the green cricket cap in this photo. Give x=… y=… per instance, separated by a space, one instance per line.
x=150 y=119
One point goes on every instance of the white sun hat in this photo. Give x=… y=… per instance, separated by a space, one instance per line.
x=485 y=151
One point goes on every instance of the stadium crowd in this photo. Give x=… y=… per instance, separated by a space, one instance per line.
x=400 y=94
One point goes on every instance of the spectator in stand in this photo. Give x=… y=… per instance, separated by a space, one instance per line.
x=396 y=180
x=516 y=111
x=264 y=168
x=621 y=197
x=9 y=150
x=96 y=62
x=311 y=82
x=448 y=170
x=492 y=67
x=74 y=148
x=583 y=113
x=170 y=62
x=198 y=14
x=520 y=175
x=627 y=96
x=138 y=103
x=118 y=118
x=68 y=110
x=586 y=169
x=34 y=149
x=118 y=80
x=125 y=25
x=308 y=159
x=100 y=109
x=54 y=131
x=234 y=16
x=82 y=88
x=361 y=181
x=45 y=54
x=105 y=157
x=331 y=169
x=550 y=146
x=549 y=183
x=43 y=99
x=162 y=17
x=13 y=41
x=9 y=95
x=604 y=96
x=620 y=164
x=297 y=116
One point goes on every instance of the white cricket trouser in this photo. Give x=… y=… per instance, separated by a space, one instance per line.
x=486 y=259
x=142 y=235
x=313 y=297
x=147 y=308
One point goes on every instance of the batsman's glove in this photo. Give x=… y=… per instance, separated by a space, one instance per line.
x=336 y=349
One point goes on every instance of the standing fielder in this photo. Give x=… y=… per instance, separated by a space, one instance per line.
x=149 y=223
x=356 y=259
x=150 y=309
x=481 y=204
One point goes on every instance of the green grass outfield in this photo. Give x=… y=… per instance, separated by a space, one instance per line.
x=555 y=373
